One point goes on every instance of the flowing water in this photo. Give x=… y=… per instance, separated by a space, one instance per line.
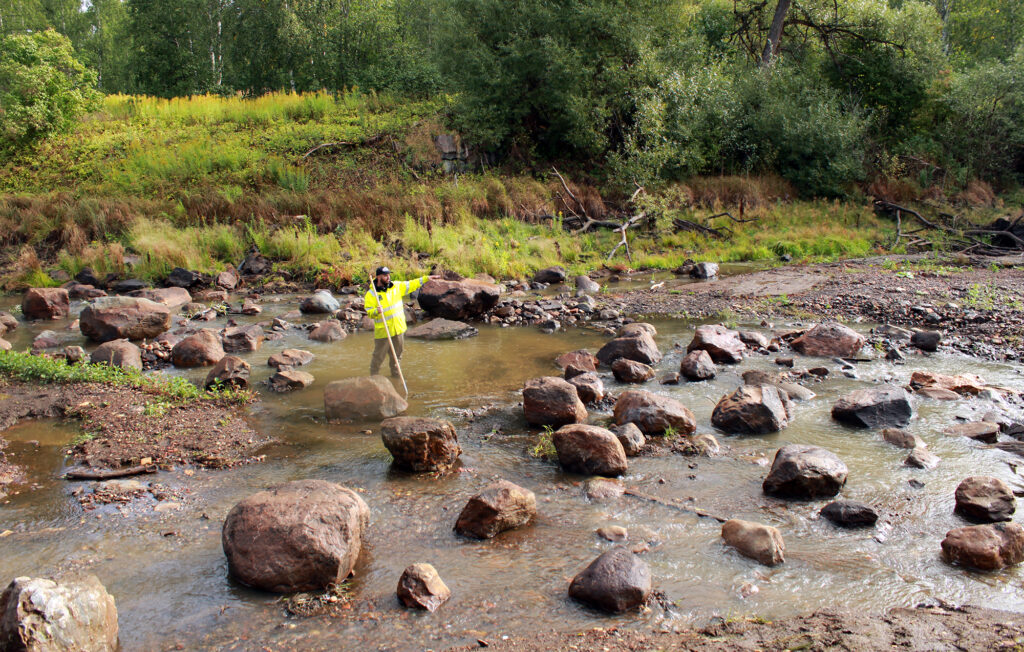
x=169 y=575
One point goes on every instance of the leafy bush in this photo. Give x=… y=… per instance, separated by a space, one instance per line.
x=43 y=87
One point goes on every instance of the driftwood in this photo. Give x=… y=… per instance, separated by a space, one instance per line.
x=967 y=239
x=109 y=474
x=674 y=504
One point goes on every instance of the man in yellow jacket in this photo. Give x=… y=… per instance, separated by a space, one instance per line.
x=391 y=311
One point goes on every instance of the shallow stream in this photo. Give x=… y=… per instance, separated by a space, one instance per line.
x=168 y=573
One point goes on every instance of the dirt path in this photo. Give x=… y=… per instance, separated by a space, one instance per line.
x=969 y=628
x=123 y=426
x=980 y=310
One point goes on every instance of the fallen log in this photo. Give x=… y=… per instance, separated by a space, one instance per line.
x=109 y=474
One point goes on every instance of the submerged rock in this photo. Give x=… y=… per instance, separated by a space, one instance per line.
x=290 y=358
x=921 y=458
x=589 y=450
x=722 y=344
x=653 y=413
x=985 y=499
x=805 y=472
x=500 y=506
x=850 y=513
x=616 y=581
x=68 y=613
x=551 y=401
x=985 y=547
x=754 y=540
x=583 y=360
x=752 y=411
x=980 y=430
x=300 y=536
x=366 y=397
x=442 y=329
x=420 y=587
x=901 y=438
x=875 y=408
x=287 y=380
x=421 y=444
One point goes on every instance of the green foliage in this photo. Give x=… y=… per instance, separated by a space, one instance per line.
x=545 y=448
x=39 y=368
x=43 y=87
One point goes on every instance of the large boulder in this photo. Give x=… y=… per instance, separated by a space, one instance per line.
x=171 y=297
x=754 y=540
x=290 y=358
x=850 y=513
x=985 y=499
x=697 y=366
x=69 y=613
x=458 y=300
x=442 y=329
x=45 y=303
x=421 y=444
x=639 y=347
x=364 y=398
x=653 y=413
x=111 y=318
x=805 y=472
x=229 y=371
x=551 y=401
x=964 y=385
x=722 y=344
x=420 y=587
x=631 y=371
x=243 y=339
x=550 y=275
x=118 y=353
x=321 y=302
x=589 y=450
x=300 y=536
x=752 y=410
x=985 y=547
x=198 y=350
x=875 y=408
x=831 y=340
x=589 y=387
x=616 y=581
x=328 y=331
x=500 y=506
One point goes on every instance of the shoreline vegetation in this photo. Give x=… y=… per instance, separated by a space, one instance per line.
x=148 y=184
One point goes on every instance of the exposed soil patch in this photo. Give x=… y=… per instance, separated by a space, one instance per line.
x=123 y=426
x=933 y=628
x=980 y=310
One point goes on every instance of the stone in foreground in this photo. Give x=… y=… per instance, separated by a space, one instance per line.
x=363 y=398
x=638 y=346
x=589 y=387
x=762 y=543
x=653 y=413
x=290 y=358
x=805 y=472
x=850 y=513
x=589 y=450
x=420 y=587
x=697 y=366
x=500 y=506
x=616 y=581
x=631 y=438
x=984 y=499
x=111 y=318
x=69 y=613
x=458 y=300
x=118 y=353
x=551 y=401
x=198 y=350
x=442 y=329
x=229 y=371
x=722 y=344
x=420 y=444
x=875 y=408
x=752 y=411
x=300 y=536
x=45 y=303
x=289 y=380
x=631 y=371
x=985 y=547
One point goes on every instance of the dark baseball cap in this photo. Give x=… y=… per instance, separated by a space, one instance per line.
x=382 y=270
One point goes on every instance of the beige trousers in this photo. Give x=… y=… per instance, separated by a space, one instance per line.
x=381 y=350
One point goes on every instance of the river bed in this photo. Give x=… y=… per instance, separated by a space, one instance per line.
x=168 y=573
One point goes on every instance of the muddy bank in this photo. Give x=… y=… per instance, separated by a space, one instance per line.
x=980 y=310
x=123 y=426
x=931 y=628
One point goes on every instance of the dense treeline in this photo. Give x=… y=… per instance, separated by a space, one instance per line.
x=825 y=93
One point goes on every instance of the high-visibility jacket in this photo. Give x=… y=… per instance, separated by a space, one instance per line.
x=391 y=307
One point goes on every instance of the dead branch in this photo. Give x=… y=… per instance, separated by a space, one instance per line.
x=741 y=220
x=687 y=225
x=373 y=140
x=623 y=242
x=107 y=474
x=675 y=504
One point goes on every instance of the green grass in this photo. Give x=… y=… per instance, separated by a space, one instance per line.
x=545 y=448
x=42 y=369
